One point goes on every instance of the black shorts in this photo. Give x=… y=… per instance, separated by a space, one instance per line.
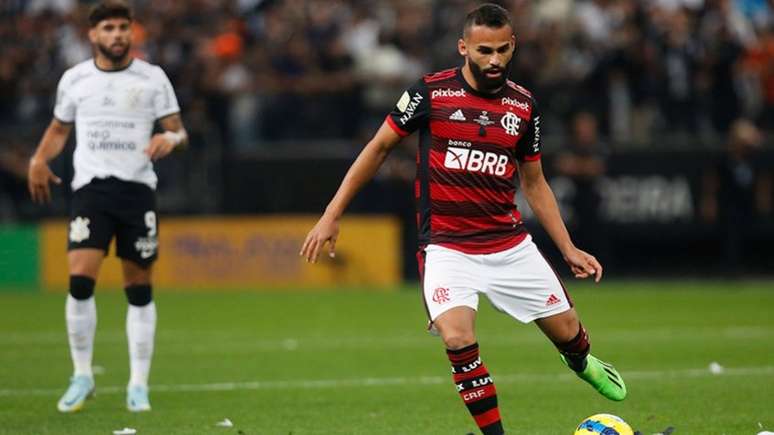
x=111 y=207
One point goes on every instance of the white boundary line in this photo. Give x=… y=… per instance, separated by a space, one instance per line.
x=391 y=381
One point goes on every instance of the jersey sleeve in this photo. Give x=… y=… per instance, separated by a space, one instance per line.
x=164 y=101
x=412 y=110
x=64 y=107
x=530 y=146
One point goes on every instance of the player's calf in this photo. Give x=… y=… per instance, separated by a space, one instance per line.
x=476 y=388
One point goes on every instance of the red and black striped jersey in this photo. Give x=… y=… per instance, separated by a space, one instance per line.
x=469 y=146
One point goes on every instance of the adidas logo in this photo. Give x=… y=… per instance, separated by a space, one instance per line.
x=552 y=300
x=457 y=116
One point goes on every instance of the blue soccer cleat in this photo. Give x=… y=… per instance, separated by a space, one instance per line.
x=81 y=388
x=137 y=398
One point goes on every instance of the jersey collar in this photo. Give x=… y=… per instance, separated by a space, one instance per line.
x=131 y=61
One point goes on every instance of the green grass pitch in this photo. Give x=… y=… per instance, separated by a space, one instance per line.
x=361 y=363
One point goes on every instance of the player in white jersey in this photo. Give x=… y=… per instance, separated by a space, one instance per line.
x=113 y=100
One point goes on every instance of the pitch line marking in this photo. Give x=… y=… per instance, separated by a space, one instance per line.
x=388 y=381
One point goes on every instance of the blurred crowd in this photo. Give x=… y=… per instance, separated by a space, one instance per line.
x=295 y=79
x=257 y=71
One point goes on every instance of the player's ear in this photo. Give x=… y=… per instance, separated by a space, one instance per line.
x=462 y=48
x=93 y=35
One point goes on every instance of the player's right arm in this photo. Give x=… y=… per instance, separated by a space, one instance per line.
x=367 y=163
x=39 y=174
x=411 y=112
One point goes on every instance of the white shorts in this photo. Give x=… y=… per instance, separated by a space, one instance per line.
x=518 y=281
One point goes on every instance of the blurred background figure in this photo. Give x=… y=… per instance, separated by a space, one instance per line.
x=738 y=194
x=583 y=163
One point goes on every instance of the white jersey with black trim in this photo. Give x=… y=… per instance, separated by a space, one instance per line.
x=114 y=113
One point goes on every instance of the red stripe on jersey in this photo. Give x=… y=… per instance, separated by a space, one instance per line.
x=465 y=179
x=395 y=128
x=532 y=158
x=468 y=224
x=441 y=75
x=440 y=192
x=487 y=418
x=455 y=209
x=495 y=133
x=474 y=107
x=487 y=247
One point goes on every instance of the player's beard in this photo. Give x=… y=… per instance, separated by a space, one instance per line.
x=115 y=56
x=489 y=84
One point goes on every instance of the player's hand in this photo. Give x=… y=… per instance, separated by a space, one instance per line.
x=160 y=146
x=325 y=231
x=583 y=265
x=38 y=177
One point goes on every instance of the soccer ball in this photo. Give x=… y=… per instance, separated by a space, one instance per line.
x=603 y=424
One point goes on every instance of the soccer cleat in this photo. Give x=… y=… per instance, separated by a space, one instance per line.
x=603 y=377
x=81 y=388
x=137 y=398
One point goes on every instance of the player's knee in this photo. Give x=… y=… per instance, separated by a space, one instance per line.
x=81 y=287
x=139 y=295
x=458 y=339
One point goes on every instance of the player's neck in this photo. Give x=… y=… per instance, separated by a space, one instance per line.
x=468 y=76
x=105 y=64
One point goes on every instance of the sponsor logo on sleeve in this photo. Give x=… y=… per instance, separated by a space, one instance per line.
x=408 y=113
x=403 y=102
x=536 y=142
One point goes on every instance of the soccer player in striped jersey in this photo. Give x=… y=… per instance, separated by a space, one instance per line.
x=479 y=133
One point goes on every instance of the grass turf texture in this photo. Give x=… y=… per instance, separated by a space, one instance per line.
x=361 y=363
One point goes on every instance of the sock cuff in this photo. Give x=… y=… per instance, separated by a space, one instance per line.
x=466 y=355
x=578 y=345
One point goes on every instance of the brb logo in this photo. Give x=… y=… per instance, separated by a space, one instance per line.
x=476 y=161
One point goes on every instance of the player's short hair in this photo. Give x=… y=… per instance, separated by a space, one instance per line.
x=107 y=9
x=489 y=15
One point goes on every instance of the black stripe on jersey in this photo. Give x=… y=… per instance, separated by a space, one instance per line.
x=483 y=235
x=471 y=209
x=423 y=177
x=471 y=180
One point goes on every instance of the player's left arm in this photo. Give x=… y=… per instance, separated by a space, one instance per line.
x=543 y=202
x=173 y=137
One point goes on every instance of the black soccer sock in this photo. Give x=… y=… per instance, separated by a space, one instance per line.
x=576 y=350
x=476 y=388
